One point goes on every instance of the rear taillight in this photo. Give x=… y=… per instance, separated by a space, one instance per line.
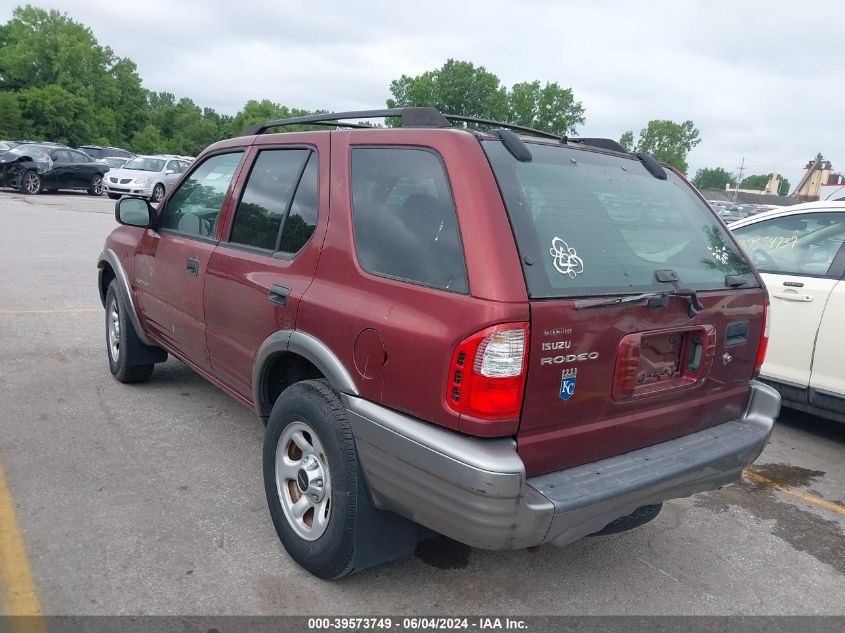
x=487 y=374
x=764 y=339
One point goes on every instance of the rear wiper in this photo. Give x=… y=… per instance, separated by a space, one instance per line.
x=658 y=297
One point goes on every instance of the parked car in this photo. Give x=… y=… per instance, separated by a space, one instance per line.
x=450 y=329
x=799 y=252
x=145 y=176
x=113 y=161
x=33 y=168
x=98 y=152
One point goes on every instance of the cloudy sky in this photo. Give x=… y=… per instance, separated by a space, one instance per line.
x=761 y=80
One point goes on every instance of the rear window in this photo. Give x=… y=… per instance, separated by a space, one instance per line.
x=589 y=223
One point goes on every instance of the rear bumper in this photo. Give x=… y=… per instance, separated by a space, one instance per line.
x=475 y=490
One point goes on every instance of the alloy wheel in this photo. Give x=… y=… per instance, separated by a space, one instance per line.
x=114 y=330
x=303 y=481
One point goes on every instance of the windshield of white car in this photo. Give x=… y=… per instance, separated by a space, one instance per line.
x=145 y=164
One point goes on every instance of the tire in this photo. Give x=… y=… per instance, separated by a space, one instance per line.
x=312 y=411
x=638 y=517
x=114 y=196
x=119 y=330
x=31 y=183
x=158 y=193
x=96 y=188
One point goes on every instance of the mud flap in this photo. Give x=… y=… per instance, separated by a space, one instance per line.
x=381 y=536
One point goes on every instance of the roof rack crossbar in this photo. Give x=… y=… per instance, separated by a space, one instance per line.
x=411 y=117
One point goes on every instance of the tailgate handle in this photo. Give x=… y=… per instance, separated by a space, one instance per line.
x=736 y=334
x=793 y=296
x=278 y=294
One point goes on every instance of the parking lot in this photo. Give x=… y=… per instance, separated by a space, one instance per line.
x=148 y=499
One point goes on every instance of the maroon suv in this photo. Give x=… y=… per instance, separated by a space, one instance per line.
x=507 y=339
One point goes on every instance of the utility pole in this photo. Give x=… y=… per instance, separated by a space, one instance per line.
x=739 y=178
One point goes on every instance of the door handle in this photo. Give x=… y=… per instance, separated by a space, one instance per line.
x=192 y=267
x=278 y=294
x=792 y=296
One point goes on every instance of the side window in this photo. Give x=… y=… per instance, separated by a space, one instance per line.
x=194 y=207
x=79 y=157
x=302 y=217
x=794 y=245
x=61 y=156
x=404 y=218
x=266 y=198
x=173 y=166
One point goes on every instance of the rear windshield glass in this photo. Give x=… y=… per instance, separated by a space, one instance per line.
x=589 y=223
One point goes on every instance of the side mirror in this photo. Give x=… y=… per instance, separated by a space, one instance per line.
x=133 y=212
x=169 y=172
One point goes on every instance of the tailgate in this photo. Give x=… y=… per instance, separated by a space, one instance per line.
x=608 y=380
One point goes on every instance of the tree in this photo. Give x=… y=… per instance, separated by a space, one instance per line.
x=783 y=190
x=147 y=141
x=11 y=120
x=758 y=181
x=667 y=141
x=713 y=178
x=549 y=108
x=457 y=87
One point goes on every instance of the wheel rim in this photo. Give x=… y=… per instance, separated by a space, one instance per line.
x=97 y=186
x=32 y=183
x=114 y=330
x=158 y=193
x=303 y=481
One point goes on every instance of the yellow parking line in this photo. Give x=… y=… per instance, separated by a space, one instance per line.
x=18 y=589
x=54 y=311
x=828 y=505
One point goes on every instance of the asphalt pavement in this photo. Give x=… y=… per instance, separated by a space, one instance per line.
x=148 y=499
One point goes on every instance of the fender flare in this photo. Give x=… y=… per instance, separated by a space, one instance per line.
x=108 y=256
x=309 y=347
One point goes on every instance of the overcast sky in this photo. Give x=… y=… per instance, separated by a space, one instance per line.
x=761 y=80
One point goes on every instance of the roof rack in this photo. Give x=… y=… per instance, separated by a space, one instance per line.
x=421 y=117
x=411 y=117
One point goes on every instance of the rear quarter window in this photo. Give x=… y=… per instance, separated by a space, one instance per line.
x=404 y=218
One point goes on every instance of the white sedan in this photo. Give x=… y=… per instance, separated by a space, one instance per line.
x=800 y=255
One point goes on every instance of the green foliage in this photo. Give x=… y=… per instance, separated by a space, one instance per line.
x=627 y=141
x=758 y=181
x=11 y=119
x=713 y=178
x=783 y=190
x=456 y=88
x=460 y=87
x=147 y=141
x=549 y=108
x=667 y=141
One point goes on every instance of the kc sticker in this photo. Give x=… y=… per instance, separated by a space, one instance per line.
x=567 y=383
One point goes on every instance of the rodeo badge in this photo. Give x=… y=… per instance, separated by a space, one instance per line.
x=567 y=383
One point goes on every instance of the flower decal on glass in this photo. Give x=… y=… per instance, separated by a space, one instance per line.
x=565 y=258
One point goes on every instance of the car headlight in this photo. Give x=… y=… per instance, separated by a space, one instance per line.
x=142 y=181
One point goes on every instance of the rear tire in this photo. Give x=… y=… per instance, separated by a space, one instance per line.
x=119 y=329
x=96 y=188
x=638 y=517
x=31 y=183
